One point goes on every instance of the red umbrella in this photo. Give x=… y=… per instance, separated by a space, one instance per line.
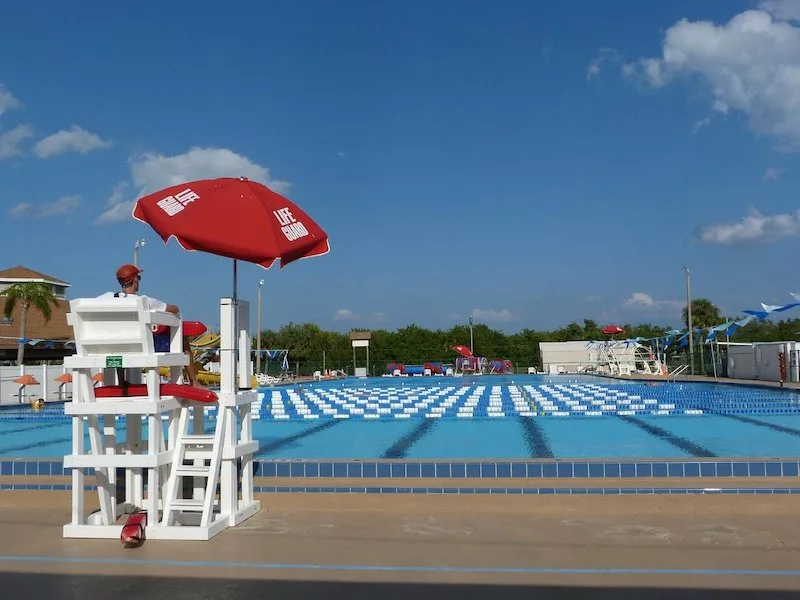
x=26 y=380
x=463 y=350
x=612 y=329
x=233 y=217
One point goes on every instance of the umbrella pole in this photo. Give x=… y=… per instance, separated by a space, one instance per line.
x=235 y=326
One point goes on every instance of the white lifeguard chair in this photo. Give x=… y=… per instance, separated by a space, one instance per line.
x=116 y=334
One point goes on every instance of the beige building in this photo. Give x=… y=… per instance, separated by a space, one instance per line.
x=48 y=335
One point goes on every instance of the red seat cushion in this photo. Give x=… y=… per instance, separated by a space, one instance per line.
x=185 y=392
x=190 y=328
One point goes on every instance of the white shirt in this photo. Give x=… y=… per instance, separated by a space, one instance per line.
x=152 y=303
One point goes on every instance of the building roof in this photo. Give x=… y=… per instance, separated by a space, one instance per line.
x=20 y=273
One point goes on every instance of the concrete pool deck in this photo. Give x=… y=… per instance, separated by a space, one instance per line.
x=349 y=546
x=698 y=379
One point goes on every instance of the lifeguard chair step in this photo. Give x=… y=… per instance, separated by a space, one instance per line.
x=198 y=440
x=188 y=504
x=192 y=471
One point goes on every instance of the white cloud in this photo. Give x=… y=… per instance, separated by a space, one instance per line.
x=772 y=174
x=62 y=206
x=10 y=140
x=118 y=205
x=783 y=9
x=492 y=316
x=340 y=154
x=75 y=139
x=607 y=56
x=7 y=100
x=752 y=228
x=698 y=125
x=750 y=65
x=344 y=314
x=642 y=301
x=151 y=172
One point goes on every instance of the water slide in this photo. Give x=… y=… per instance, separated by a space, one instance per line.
x=200 y=355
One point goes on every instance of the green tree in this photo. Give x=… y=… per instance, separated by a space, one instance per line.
x=524 y=348
x=414 y=344
x=28 y=295
x=572 y=332
x=302 y=341
x=591 y=330
x=704 y=314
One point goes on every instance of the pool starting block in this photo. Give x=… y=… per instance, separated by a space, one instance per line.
x=161 y=484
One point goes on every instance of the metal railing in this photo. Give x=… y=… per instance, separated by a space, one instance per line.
x=680 y=370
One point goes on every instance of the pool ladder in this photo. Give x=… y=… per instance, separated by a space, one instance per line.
x=679 y=371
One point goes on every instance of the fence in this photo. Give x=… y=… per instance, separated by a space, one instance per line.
x=51 y=390
x=47 y=389
x=376 y=369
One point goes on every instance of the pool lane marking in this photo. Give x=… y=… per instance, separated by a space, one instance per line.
x=773 y=426
x=280 y=443
x=401 y=447
x=397 y=568
x=679 y=442
x=538 y=446
x=62 y=423
x=8 y=449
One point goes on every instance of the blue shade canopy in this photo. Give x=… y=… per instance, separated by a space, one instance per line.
x=728 y=327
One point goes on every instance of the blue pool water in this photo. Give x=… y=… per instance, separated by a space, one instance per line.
x=512 y=417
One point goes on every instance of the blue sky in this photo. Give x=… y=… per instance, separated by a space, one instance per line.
x=528 y=163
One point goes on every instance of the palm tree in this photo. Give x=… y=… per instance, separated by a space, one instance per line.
x=29 y=294
x=704 y=314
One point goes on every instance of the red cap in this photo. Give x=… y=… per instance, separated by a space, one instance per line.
x=126 y=273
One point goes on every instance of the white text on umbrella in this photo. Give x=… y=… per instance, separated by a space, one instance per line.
x=172 y=205
x=292 y=228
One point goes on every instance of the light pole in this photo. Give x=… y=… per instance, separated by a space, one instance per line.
x=689 y=319
x=139 y=244
x=258 y=334
x=471 y=349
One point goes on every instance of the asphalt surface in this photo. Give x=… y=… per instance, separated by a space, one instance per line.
x=63 y=587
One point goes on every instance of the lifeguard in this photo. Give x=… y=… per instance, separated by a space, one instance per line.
x=128 y=277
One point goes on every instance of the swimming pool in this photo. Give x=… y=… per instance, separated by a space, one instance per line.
x=504 y=417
